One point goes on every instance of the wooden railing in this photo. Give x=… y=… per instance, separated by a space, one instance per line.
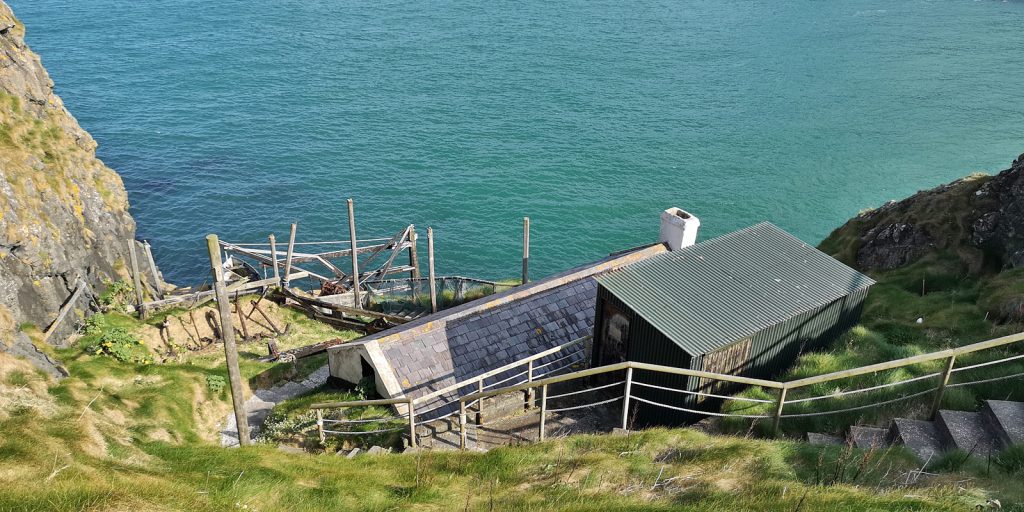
x=531 y=371
x=779 y=403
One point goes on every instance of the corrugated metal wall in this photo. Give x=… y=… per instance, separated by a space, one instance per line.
x=772 y=351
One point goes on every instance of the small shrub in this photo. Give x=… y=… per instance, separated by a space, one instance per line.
x=117 y=296
x=215 y=383
x=117 y=342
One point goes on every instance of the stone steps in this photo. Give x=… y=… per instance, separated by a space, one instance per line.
x=867 y=437
x=998 y=425
x=1008 y=420
x=920 y=437
x=969 y=432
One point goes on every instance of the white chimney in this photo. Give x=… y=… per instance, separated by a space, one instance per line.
x=678 y=229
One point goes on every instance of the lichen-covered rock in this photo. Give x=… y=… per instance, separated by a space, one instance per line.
x=892 y=245
x=63 y=214
x=1001 y=229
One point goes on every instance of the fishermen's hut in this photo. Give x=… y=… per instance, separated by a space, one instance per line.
x=747 y=303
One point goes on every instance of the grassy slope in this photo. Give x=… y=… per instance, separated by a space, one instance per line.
x=118 y=436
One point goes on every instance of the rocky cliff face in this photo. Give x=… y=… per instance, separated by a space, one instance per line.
x=979 y=218
x=971 y=229
x=63 y=214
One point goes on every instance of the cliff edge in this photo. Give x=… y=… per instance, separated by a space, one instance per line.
x=968 y=232
x=63 y=213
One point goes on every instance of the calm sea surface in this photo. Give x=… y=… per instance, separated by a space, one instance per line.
x=238 y=117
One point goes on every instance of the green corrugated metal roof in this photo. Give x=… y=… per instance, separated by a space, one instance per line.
x=708 y=295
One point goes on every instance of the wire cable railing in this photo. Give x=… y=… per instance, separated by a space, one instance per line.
x=535 y=378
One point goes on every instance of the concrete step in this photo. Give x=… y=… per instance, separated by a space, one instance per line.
x=968 y=432
x=868 y=437
x=921 y=437
x=1007 y=420
x=824 y=439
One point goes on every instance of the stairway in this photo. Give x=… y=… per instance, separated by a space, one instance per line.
x=998 y=425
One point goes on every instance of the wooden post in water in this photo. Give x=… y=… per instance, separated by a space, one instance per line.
x=778 y=411
x=273 y=256
x=228 y=333
x=136 y=279
x=942 y=386
x=355 y=255
x=157 y=278
x=430 y=269
x=526 y=250
x=288 y=258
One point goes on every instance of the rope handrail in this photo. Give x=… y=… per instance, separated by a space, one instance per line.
x=983 y=381
x=839 y=394
x=352 y=433
x=563 y=395
x=701 y=393
x=708 y=413
x=370 y=420
x=859 y=407
x=988 y=363
x=595 y=404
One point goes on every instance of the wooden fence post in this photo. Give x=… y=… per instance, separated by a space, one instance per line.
x=412 y=423
x=430 y=269
x=136 y=279
x=526 y=250
x=778 y=411
x=414 y=261
x=228 y=333
x=625 y=398
x=480 y=403
x=531 y=393
x=157 y=278
x=320 y=425
x=942 y=386
x=273 y=256
x=462 y=424
x=543 y=411
x=355 y=253
x=288 y=258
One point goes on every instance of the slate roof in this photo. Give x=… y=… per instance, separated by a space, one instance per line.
x=437 y=350
x=708 y=295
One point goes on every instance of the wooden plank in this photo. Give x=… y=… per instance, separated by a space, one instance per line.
x=360 y=403
x=288 y=258
x=68 y=305
x=413 y=260
x=136 y=279
x=243 y=286
x=309 y=299
x=228 y=334
x=355 y=249
x=430 y=269
x=526 y=250
x=157 y=278
x=273 y=257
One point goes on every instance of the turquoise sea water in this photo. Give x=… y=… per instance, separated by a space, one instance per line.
x=237 y=117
